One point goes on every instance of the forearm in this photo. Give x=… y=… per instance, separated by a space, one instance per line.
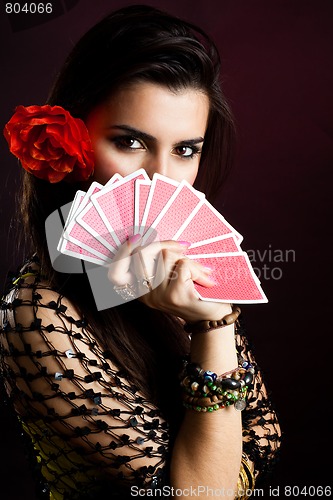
x=208 y=447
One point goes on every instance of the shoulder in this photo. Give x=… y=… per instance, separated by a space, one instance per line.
x=32 y=305
x=43 y=334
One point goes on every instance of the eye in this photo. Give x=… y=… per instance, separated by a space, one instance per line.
x=186 y=151
x=127 y=142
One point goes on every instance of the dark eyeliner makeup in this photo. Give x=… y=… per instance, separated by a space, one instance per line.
x=123 y=142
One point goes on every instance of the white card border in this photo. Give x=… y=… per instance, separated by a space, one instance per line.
x=199 y=194
x=264 y=299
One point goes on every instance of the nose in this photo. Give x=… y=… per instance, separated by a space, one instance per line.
x=157 y=163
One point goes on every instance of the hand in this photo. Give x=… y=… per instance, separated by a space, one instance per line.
x=175 y=292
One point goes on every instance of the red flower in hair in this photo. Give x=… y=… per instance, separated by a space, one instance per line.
x=50 y=143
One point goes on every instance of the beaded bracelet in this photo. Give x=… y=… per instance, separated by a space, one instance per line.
x=212 y=403
x=204 y=390
x=206 y=325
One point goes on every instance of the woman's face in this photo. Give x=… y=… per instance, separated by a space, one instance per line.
x=148 y=126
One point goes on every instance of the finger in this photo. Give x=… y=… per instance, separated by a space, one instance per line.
x=189 y=270
x=119 y=269
x=128 y=247
x=147 y=265
x=165 y=262
x=176 y=246
x=140 y=270
x=155 y=247
x=147 y=260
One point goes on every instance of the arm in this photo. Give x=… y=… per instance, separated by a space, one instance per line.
x=261 y=431
x=80 y=397
x=208 y=448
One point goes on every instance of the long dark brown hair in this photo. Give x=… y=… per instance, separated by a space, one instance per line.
x=137 y=43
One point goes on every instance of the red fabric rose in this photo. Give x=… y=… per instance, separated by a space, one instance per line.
x=50 y=143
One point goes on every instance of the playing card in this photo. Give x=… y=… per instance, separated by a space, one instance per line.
x=80 y=236
x=221 y=244
x=203 y=224
x=79 y=195
x=73 y=249
x=182 y=203
x=78 y=198
x=90 y=219
x=115 y=205
x=162 y=209
x=235 y=279
x=141 y=192
x=94 y=187
x=161 y=190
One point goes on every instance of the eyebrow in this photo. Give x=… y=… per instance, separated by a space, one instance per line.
x=147 y=137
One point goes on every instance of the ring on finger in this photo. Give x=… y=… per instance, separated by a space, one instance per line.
x=146 y=281
x=126 y=292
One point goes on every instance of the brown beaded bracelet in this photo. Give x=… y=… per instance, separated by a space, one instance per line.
x=206 y=325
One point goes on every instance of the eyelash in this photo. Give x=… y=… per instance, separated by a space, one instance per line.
x=119 y=142
x=195 y=151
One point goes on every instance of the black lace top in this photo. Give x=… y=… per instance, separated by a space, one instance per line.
x=93 y=432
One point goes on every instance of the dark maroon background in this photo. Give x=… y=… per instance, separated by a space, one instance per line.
x=278 y=77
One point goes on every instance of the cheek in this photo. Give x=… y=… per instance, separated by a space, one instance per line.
x=105 y=166
x=180 y=170
x=108 y=162
x=193 y=176
x=189 y=174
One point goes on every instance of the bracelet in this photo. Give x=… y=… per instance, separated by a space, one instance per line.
x=206 y=325
x=212 y=403
x=246 y=480
x=204 y=390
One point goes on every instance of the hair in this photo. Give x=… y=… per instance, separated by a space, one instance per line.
x=134 y=44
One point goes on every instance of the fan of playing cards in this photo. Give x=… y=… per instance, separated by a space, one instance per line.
x=102 y=218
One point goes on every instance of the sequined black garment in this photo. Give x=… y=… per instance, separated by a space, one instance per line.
x=93 y=432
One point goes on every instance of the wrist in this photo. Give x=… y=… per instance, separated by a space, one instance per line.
x=215 y=349
x=207 y=311
x=206 y=325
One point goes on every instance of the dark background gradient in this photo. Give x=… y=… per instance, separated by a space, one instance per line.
x=278 y=77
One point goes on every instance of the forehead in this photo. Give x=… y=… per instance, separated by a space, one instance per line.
x=154 y=108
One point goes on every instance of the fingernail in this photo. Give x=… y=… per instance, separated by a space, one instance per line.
x=185 y=243
x=134 y=239
x=208 y=269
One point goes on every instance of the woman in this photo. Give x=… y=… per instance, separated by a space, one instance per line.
x=104 y=395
